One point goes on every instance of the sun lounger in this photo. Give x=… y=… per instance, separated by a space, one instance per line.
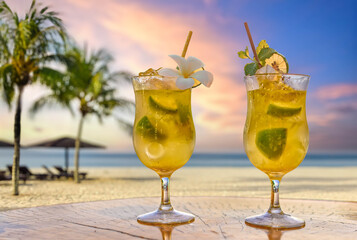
x=63 y=173
x=50 y=173
x=26 y=171
x=82 y=175
x=22 y=177
x=3 y=176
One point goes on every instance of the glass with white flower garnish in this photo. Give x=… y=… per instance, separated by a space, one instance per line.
x=164 y=133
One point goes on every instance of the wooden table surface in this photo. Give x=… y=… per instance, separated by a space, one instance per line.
x=216 y=218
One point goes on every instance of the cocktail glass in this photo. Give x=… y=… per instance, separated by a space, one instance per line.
x=163 y=136
x=276 y=136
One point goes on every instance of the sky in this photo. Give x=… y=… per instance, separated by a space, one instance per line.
x=317 y=38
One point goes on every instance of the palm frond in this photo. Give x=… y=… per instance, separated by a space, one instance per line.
x=49 y=76
x=127 y=127
x=4 y=43
x=48 y=101
x=57 y=58
x=25 y=42
x=6 y=11
x=7 y=84
x=98 y=115
x=125 y=75
x=125 y=104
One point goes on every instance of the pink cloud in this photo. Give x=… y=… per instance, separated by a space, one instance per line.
x=336 y=91
x=141 y=35
x=322 y=119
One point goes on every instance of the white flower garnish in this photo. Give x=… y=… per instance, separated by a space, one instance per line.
x=186 y=73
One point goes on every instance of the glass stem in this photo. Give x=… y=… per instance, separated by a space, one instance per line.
x=274 y=203
x=166 y=232
x=165 y=195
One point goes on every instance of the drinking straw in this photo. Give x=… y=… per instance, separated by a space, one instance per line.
x=186 y=44
x=252 y=44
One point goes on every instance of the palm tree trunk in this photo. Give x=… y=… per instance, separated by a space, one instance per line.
x=17 y=136
x=76 y=155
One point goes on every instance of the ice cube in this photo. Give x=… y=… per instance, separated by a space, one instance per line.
x=152 y=80
x=267 y=73
x=149 y=72
x=295 y=82
x=251 y=83
x=266 y=70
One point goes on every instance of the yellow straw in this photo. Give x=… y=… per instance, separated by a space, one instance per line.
x=186 y=44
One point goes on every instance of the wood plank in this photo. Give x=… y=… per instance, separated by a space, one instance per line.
x=216 y=218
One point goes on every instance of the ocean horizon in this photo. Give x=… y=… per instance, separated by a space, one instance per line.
x=104 y=158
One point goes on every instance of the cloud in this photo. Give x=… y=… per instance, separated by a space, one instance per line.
x=334 y=103
x=336 y=91
x=344 y=107
x=323 y=119
x=142 y=35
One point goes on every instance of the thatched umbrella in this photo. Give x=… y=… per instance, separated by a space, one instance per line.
x=66 y=143
x=6 y=144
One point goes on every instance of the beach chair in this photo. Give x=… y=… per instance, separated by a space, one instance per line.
x=63 y=173
x=21 y=176
x=3 y=176
x=26 y=171
x=50 y=173
x=82 y=175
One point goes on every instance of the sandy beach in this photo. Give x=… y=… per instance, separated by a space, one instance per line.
x=327 y=183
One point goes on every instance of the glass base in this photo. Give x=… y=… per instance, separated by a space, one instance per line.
x=277 y=221
x=160 y=217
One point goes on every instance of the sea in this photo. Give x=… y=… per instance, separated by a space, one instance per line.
x=104 y=158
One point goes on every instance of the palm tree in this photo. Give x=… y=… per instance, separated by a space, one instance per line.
x=87 y=83
x=26 y=45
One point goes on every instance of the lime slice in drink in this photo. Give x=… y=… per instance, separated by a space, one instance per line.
x=278 y=62
x=154 y=150
x=147 y=130
x=271 y=142
x=278 y=111
x=167 y=105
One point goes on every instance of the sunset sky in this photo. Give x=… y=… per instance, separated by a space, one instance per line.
x=318 y=38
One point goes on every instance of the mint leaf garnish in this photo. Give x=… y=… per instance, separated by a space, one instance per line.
x=250 y=68
x=265 y=55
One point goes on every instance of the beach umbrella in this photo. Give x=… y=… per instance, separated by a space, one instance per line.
x=6 y=144
x=66 y=143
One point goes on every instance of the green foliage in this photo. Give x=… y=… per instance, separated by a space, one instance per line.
x=250 y=68
x=244 y=54
x=88 y=82
x=25 y=43
x=263 y=51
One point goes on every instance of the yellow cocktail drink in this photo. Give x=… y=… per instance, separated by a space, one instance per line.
x=276 y=134
x=164 y=133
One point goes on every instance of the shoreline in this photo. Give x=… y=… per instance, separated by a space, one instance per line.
x=107 y=183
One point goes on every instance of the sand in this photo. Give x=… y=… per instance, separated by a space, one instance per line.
x=321 y=183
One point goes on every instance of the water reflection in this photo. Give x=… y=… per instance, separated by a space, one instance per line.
x=274 y=233
x=165 y=229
